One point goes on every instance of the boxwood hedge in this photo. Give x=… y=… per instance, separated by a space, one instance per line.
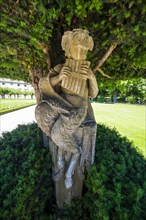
x=114 y=188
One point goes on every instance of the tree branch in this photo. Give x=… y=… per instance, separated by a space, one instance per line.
x=104 y=74
x=104 y=58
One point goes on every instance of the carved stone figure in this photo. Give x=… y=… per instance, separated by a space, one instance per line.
x=66 y=116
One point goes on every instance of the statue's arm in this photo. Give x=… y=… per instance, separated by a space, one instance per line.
x=61 y=72
x=93 y=86
x=55 y=80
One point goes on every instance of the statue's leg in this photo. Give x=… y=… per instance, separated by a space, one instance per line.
x=63 y=134
x=60 y=161
x=46 y=117
x=63 y=131
x=71 y=169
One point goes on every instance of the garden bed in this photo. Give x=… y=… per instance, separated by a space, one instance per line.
x=9 y=105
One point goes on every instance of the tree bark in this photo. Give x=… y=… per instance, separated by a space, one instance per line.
x=35 y=81
x=37 y=73
x=115 y=96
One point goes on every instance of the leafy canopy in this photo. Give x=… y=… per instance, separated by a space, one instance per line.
x=31 y=33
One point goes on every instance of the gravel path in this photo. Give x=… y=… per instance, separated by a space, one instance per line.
x=9 y=121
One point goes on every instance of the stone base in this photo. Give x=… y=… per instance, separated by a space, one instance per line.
x=63 y=195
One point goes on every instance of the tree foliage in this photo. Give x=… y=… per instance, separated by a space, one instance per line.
x=11 y=91
x=114 y=189
x=130 y=90
x=31 y=33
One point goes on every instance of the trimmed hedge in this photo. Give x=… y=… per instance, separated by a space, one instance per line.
x=114 y=189
x=4 y=111
x=25 y=174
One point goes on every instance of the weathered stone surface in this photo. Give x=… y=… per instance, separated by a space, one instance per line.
x=66 y=116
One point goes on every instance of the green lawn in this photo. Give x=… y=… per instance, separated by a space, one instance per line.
x=129 y=121
x=7 y=105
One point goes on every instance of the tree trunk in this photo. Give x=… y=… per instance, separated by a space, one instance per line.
x=35 y=77
x=115 y=96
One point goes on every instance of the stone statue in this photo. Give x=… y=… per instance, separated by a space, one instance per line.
x=66 y=116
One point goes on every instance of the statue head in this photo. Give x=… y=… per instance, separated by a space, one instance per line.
x=76 y=44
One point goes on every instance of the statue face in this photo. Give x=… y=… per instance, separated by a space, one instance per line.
x=78 y=53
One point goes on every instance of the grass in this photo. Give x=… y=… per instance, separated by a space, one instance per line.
x=8 y=105
x=129 y=121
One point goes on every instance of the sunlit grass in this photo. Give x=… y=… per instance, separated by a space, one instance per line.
x=128 y=119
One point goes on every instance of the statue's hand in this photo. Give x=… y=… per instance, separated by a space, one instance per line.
x=84 y=70
x=91 y=75
x=65 y=72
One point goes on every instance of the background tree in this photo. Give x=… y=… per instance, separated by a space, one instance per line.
x=135 y=90
x=31 y=93
x=17 y=92
x=25 y=93
x=11 y=92
x=4 y=91
x=130 y=90
x=31 y=33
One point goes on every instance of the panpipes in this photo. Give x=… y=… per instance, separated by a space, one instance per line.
x=76 y=81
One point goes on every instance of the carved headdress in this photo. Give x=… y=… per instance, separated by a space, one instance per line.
x=77 y=37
